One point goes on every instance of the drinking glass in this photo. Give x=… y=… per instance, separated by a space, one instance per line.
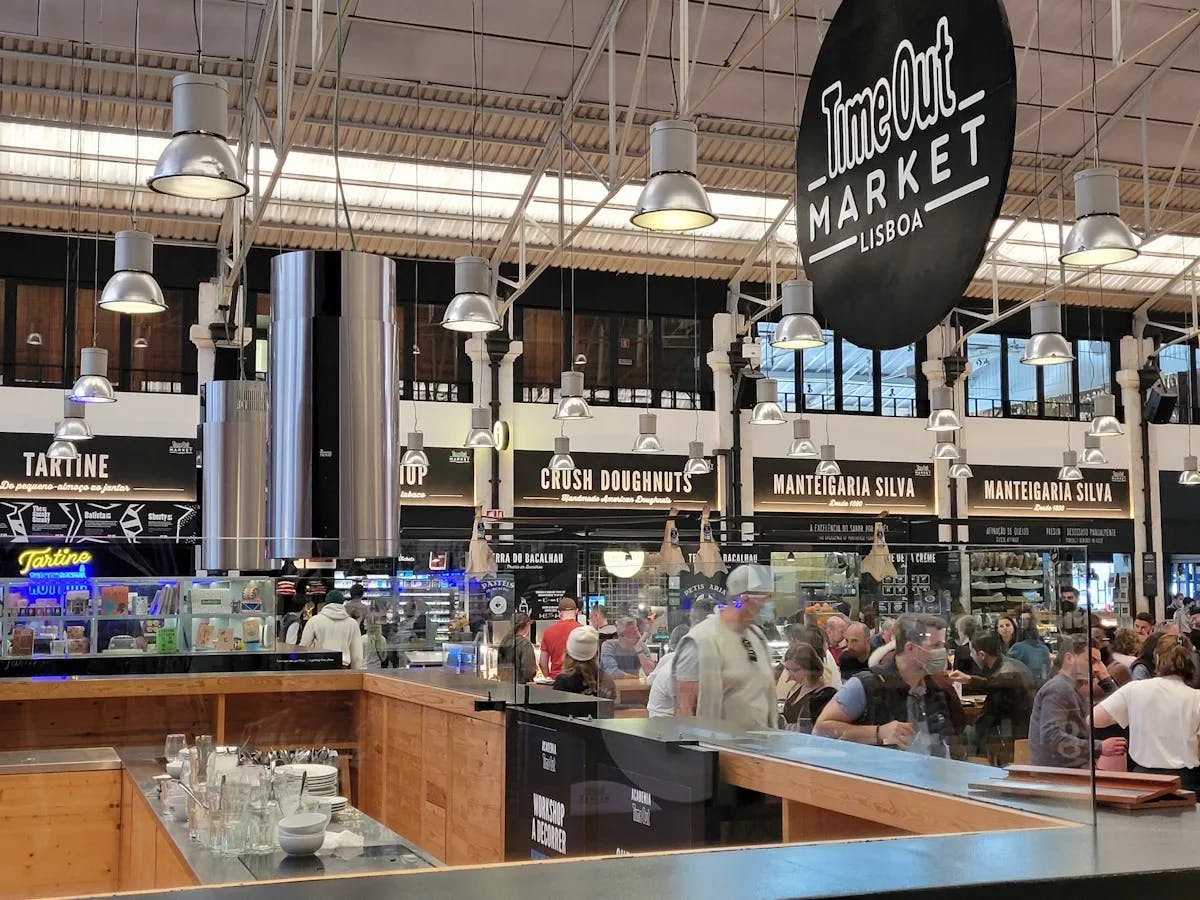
x=201 y=758
x=173 y=745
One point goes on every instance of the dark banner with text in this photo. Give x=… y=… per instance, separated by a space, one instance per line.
x=1107 y=536
x=863 y=488
x=610 y=481
x=449 y=480
x=1036 y=492
x=129 y=470
x=30 y=521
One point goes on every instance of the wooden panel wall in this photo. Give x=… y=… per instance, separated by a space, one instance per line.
x=301 y=719
x=60 y=834
x=134 y=721
x=432 y=770
x=148 y=857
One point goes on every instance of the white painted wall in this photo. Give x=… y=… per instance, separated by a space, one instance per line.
x=32 y=410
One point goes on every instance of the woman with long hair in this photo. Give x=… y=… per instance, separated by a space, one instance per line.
x=1143 y=666
x=1006 y=627
x=1162 y=714
x=805 y=671
x=581 y=672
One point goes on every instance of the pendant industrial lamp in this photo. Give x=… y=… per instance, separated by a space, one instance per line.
x=571 y=404
x=828 y=464
x=1047 y=346
x=960 y=468
x=62 y=450
x=74 y=426
x=1093 y=455
x=92 y=385
x=945 y=450
x=802 y=446
x=472 y=309
x=647 y=439
x=1070 y=468
x=414 y=455
x=480 y=433
x=798 y=329
x=198 y=163
x=1104 y=417
x=673 y=199
x=697 y=463
x=1099 y=237
x=942 y=416
x=562 y=461
x=1190 y=476
x=34 y=339
x=766 y=408
x=132 y=288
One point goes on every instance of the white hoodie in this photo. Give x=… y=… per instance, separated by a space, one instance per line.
x=333 y=629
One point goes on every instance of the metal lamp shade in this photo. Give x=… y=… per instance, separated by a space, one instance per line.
x=415 y=457
x=828 y=464
x=34 y=339
x=133 y=289
x=480 y=434
x=472 y=310
x=798 y=330
x=1190 y=476
x=1047 y=346
x=1092 y=454
x=198 y=163
x=1104 y=419
x=1070 y=467
x=647 y=439
x=802 y=446
x=697 y=463
x=673 y=199
x=62 y=450
x=571 y=404
x=73 y=426
x=1098 y=237
x=93 y=385
x=945 y=450
x=766 y=409
x=959 y=468
x=561 y=460
x=942 y=416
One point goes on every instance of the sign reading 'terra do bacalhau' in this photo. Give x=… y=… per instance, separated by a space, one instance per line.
x=902 y=161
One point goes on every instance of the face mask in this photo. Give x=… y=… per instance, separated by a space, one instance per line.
x=936 y=662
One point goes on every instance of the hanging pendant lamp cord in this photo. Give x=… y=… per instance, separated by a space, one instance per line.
x=197 y=20
x=137 y=108
x=337 y=156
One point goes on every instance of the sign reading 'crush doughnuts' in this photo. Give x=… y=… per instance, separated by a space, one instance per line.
x=902 y=161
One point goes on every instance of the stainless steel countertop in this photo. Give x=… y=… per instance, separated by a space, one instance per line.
x=30 y=762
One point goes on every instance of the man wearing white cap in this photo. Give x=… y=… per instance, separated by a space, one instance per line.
x=722 y=668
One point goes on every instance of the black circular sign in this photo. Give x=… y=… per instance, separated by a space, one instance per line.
x=902 y=161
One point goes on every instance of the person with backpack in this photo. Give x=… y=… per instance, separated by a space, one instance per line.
x=909 y=703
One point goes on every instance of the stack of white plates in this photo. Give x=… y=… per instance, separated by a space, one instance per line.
x=322 y=780
x=335 y=805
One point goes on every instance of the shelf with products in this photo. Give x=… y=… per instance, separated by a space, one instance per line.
x=162 y=615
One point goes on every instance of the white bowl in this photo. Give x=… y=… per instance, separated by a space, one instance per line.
x=303 y=823
x=175 y=768
x=301 y=844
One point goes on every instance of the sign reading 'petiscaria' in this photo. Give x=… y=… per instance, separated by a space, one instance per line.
x=902 y=161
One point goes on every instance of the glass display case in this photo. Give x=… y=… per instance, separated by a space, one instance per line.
x=65 y=613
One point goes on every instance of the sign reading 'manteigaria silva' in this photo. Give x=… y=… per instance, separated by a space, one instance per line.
x=902 y=161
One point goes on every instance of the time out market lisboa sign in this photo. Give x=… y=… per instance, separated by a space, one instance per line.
x=902 y=161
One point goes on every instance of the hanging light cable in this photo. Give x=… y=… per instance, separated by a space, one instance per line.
x=1099 y=237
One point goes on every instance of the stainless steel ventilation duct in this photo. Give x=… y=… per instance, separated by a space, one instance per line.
x=333 y=488
x=234 y=504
